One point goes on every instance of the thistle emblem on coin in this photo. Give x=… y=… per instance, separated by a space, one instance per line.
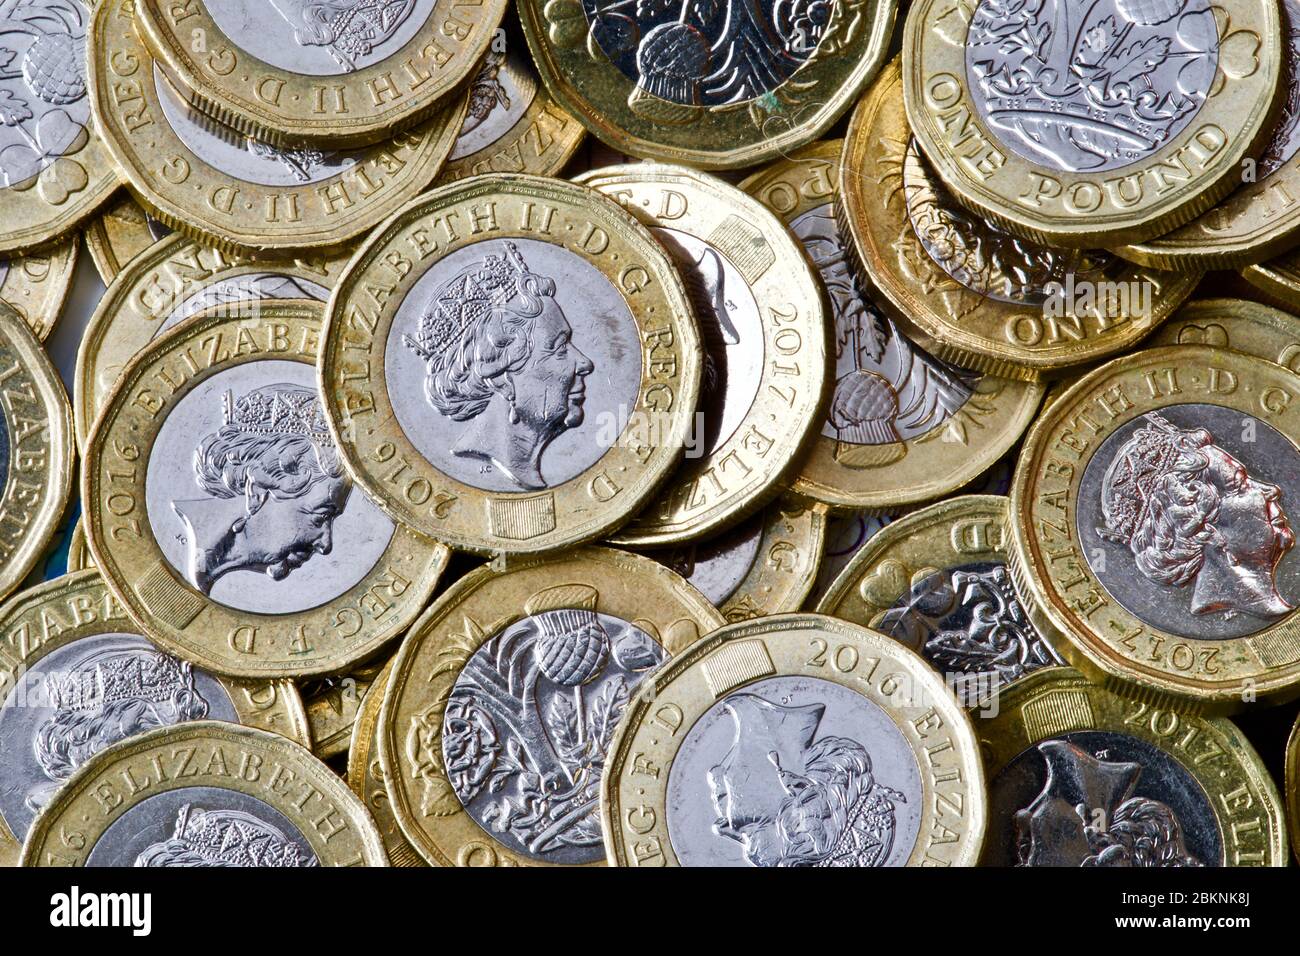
x=348 y=29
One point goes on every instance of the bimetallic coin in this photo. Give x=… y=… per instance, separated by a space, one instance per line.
x=332 y=705
x=764 y=565
x=902 y=428
x=1081 y=776
x=36 y=450
x=35 y=285
x=964 y=289
x=795 y=740
x=54 y=170
x=1260 y=219
x=510 y=364
x=343 y=73
x=1096 y=125
x=119 y=234
x=366 y=774
x=220 y=514
x=506 y=693
x=765 y=341
x=1150 y=525
x=1239 y=324
x=165 y=285
x=230 y=189
x=205 y=793
x=77 y=677
x=512 y=124
x=937 y=581
x=722 y=85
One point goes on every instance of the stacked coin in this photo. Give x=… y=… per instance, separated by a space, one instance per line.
x=839 y=460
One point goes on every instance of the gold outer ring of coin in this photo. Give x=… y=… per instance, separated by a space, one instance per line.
x=1192 y=170
x=160 y=288
x=890 y=197
x=1278 y=279
x=186 y=193
x=542 y=137
x=125 y=547
x=634 y=790
x=1052 y=572
x=79 y=607
x=38 y=423
x=205 y=753
x=79 y=558
x=624 y=114
x=360 y=105
x=476 y=608
x=966 y=530
x=1291 y=783
x=36 y=285
x=746 y=470
x=886 y=476
x=366 y=775
x=1237 y=324
x=119 y=234
x=359 y=323
x=1227 y=773
x=332 y=705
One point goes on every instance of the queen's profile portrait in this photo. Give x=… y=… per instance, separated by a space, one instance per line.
x=499 y=355
x=1193 y=517
x=274 y=485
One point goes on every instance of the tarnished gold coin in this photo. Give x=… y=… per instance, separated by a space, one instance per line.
x=764 y=565
x=512 y=124
x=503 y=700
x=333 y=704
x=1291 y=784
x=54 y=170
x=795 y=740
x=1260 y=218
x=35 y=285
x=1150 y=525
x=965 y=290
x=510 y=364
x=294 y=73
x=219 y=513
x=366 y=774
x=716 y=87
x=229 y=189
x=1239 y=324
x=1081 y=776
x=172 y=280
x=36 y=450
x=937 y=581
x=765 y=341
x=1096 y=125
x=119 y=234
x=902 y=427
x=76 y=677
x=206 y=793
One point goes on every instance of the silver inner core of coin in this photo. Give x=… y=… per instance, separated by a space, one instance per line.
x=499 y=97
x=202 y=826
x=248 y=500
x=763 y=777
x=84 y=697
x=4 y=271
x=241 y=157
x=887 y=390
x=513 y=365
x=529 y=721
x=1090 y=87
x=320 y=37
x=1285 y=142
x=1183 y=516
x=43 y=102
x=719 y=566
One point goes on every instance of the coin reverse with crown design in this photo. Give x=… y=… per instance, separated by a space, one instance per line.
x=80 y=678
x=1092 y=125
x=227 y=188
x=901 y=427
x=1150 y=525
x=295 y=73
x=496 y=724
x=220 y=513
x=205 y=793
x=1081 y=776
x=510 y=364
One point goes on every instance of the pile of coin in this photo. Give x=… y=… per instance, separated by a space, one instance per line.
x=872 y=445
